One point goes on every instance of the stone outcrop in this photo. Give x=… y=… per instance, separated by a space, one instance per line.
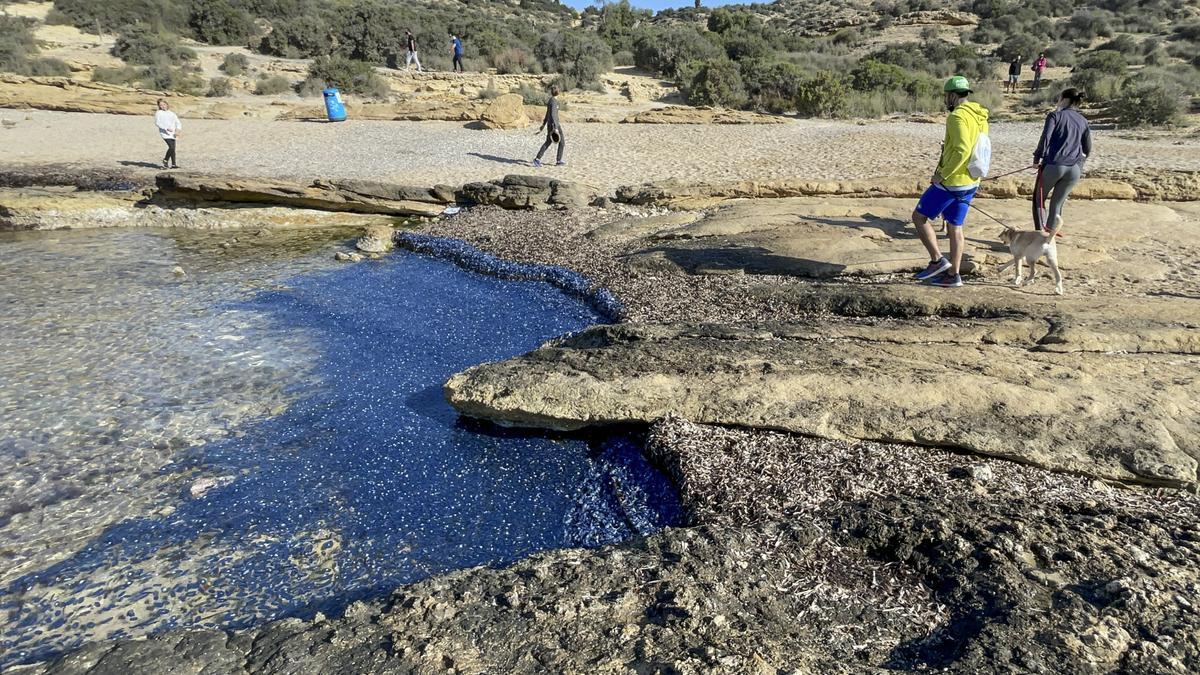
x=505 y=112
x=62 y=208
x=526 y=192
x=1118 y=185
x=702 y=115
x=352 y=196
x=1129 y=417
x=377 y=239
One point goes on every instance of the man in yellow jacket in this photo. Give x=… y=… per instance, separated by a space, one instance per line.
x=952 y=187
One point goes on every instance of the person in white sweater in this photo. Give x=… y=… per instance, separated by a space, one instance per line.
x=168 y=128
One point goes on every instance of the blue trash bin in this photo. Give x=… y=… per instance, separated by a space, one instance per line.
x=333 y=106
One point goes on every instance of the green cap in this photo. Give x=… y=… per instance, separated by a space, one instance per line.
x=957 y=84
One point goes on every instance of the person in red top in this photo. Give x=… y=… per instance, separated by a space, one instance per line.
x=1039 y=67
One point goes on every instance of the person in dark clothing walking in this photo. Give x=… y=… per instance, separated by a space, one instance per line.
x=554 y=132
x=410 y=43
x=1065 y=145
x=456 y=45
x=1014 y=75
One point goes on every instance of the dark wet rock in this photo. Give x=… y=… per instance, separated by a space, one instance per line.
x=526 y=192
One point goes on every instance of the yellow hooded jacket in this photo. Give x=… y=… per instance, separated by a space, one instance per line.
x=962 y=130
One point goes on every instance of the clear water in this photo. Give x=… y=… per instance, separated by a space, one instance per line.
x=308 y=392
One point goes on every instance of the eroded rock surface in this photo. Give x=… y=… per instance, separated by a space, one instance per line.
x=526 y=192
x=1129 y=417
x=701 y=115
x=353 y=196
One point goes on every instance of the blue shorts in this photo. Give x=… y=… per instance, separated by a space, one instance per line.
x=938 y=202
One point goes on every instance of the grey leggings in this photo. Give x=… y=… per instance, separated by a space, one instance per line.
x=562 y=142
x=1057 y=183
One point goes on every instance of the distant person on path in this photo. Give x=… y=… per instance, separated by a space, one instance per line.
x=1064 y=147
x=411 y=44
x=1014 y=75
x=952 y=187
x=554 y=132
x=168 y=128
x=456 y=44
x=1039 y=67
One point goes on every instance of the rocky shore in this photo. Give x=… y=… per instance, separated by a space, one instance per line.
x=829 y=426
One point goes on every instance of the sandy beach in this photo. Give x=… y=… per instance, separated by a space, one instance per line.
x=601 y=155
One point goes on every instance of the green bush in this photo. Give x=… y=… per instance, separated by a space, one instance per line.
x=348 y=75
x=771 y=85
x=623 y=58
x=16 y=43
x=718 y=83
x=823 y=95
x=615 y=23
x=489 y=92
x=581 y=57
x=271 y=85
x=743 y=44
x=142 y=45
x=1021 y=44
x=234 y=64
x=218 y=22
x=723 y=20
x=163 y=76
x=111 y=16
x=122 y=75
x=531 y=95
x=1085 y=25
x=48 y=67
x=219 y=86
x=667 y=51
x=1104 y=61
x=1147 y=103
x=300 y=37
x=513 y=60
x=871 y=75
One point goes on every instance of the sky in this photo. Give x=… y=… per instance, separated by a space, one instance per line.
x=660 y=4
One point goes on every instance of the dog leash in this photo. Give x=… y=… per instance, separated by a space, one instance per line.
x=1010 y=173
x=1001 y=222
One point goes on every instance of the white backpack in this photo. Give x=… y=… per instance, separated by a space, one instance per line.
x=981 y=157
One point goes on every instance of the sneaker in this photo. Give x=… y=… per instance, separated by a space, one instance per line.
x=537 y=163
x=946 y=280
x=165 y=166
x=934 y=269
x=560 y=164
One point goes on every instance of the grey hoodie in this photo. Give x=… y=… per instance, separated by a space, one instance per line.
x=1066 y=139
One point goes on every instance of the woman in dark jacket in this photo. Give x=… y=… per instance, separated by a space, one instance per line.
x=554 y=132
x=1065 y=144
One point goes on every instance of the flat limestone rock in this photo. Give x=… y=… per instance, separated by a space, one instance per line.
x=701 y=115
x=1122 y=417
x=320 y=195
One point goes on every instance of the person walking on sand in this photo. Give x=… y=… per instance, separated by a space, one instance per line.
x=554 y=132
x=1014 y=75
x=1065 y=145
x=1039 y=67
x=411 y=44
x=953 y=186
x=456 y=45
x=168 y=128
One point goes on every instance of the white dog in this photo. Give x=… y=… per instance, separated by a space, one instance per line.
x=1028 y=247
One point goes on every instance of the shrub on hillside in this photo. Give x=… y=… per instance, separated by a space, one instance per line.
x=871 y=75
x=48 y=67
x=16 y=43
x=615 y=23
x=271 y=85
x=219 y=86
x=1145 y=103
x=513 y=60
x=623 y=58
x=723 y=20
x=1104 y=61
x=823 y=95
x=217 y=22
x=581 y=57
x=300 y=37
x=142 y=45
x=234 y=64
x=531 y=95
x=110 y=16
x=717 y=83
x=348 y=75
x=1085 y=25
x=743 y=44
x=1025 y=46
x=122 y=75
x=667 y=51
x=771 y=86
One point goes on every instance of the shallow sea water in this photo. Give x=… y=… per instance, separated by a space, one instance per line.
x=306 y=393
